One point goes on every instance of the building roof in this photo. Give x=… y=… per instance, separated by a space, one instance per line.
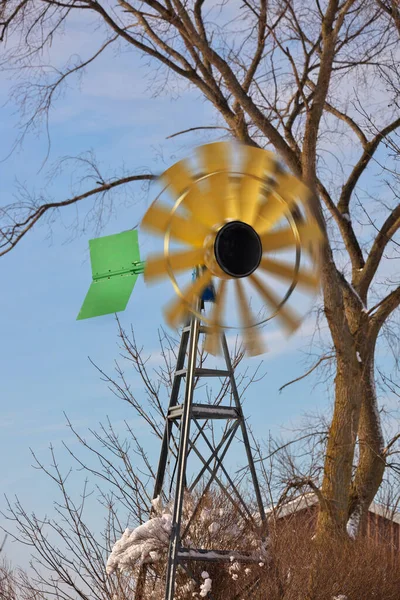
x=307 y=500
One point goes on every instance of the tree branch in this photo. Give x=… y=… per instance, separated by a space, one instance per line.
x=330 y=31
x=390 y=444
x=359 y=168
x=383 y=311
x=391 y=8
x=236 y=89
x=387 y=231
x=11 y=235
x=319 y=361
x=343 y=117
x=196 y=129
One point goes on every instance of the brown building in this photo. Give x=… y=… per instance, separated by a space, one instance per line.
x=383 y=524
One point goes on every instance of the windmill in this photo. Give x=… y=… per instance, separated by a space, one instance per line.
x=225 y=216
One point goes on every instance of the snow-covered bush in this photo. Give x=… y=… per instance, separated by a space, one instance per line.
x=146 y=543
x=216 y=525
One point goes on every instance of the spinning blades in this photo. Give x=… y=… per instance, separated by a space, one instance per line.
x=229 y=221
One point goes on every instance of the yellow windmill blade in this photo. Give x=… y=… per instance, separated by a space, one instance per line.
x=271 y=211
x=289 y=319
x=287 y=191
x=179 y=180
x=213 y=339
x=157 y=219
x=278 y=240
x=216 y=157
x=251 y=337
x=309 y=232
x=287 y=272
x=257 y=162
x=201 y=206
x=177 y=310
x=231 y=207
x=156 y=266
x=291 y=188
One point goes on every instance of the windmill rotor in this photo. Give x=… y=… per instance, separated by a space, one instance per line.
x=229 y=222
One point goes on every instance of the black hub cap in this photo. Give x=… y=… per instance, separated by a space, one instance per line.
x=238 y=249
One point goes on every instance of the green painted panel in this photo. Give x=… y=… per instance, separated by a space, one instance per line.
x=107 y=295
x=114 y=253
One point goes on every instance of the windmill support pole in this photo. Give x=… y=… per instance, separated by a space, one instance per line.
x=245 y=435
x=169 y=424
x=182 y=459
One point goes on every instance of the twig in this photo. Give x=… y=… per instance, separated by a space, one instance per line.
x=319 y=361
x=196 y=129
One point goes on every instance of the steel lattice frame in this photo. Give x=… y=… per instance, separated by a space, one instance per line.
x=185 y=414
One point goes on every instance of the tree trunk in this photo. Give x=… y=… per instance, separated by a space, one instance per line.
x=347 y=494
x=339 y=457
x=372 y=462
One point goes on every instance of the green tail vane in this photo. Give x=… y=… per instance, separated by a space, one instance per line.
x=116 y=264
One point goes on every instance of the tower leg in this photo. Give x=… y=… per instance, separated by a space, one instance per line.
x=168 y=424
x=165 y=444
x=182 y=459
x=244 y=433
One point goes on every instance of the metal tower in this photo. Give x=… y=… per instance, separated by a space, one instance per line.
x=178 y=425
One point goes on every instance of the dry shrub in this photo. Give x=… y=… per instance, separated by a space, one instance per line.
x=339 y=569
x=297 y=567
x=7 y=582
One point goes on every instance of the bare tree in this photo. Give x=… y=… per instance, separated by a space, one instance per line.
x=318 y=83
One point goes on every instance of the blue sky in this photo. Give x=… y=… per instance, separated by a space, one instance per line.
x=44 y=351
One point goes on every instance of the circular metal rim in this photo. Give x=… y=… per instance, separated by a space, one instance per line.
x=167 y=238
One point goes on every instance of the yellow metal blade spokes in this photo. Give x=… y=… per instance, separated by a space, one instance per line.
x=310 y=232
x=288 y=318
x=258 y=192
x=287 y=272
x=249 y=198
x=251 y=337
x=284 y=238
x=190 y=232
x=216 y=194
x=215 y=157
x=156 y=266
x=177 y=310
x=231 y=208
x=277 y=240
x=201 y=206
x=271 y=211
x=213 y=339
x=291 y=190
x=257 y=162
x=178 y=178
